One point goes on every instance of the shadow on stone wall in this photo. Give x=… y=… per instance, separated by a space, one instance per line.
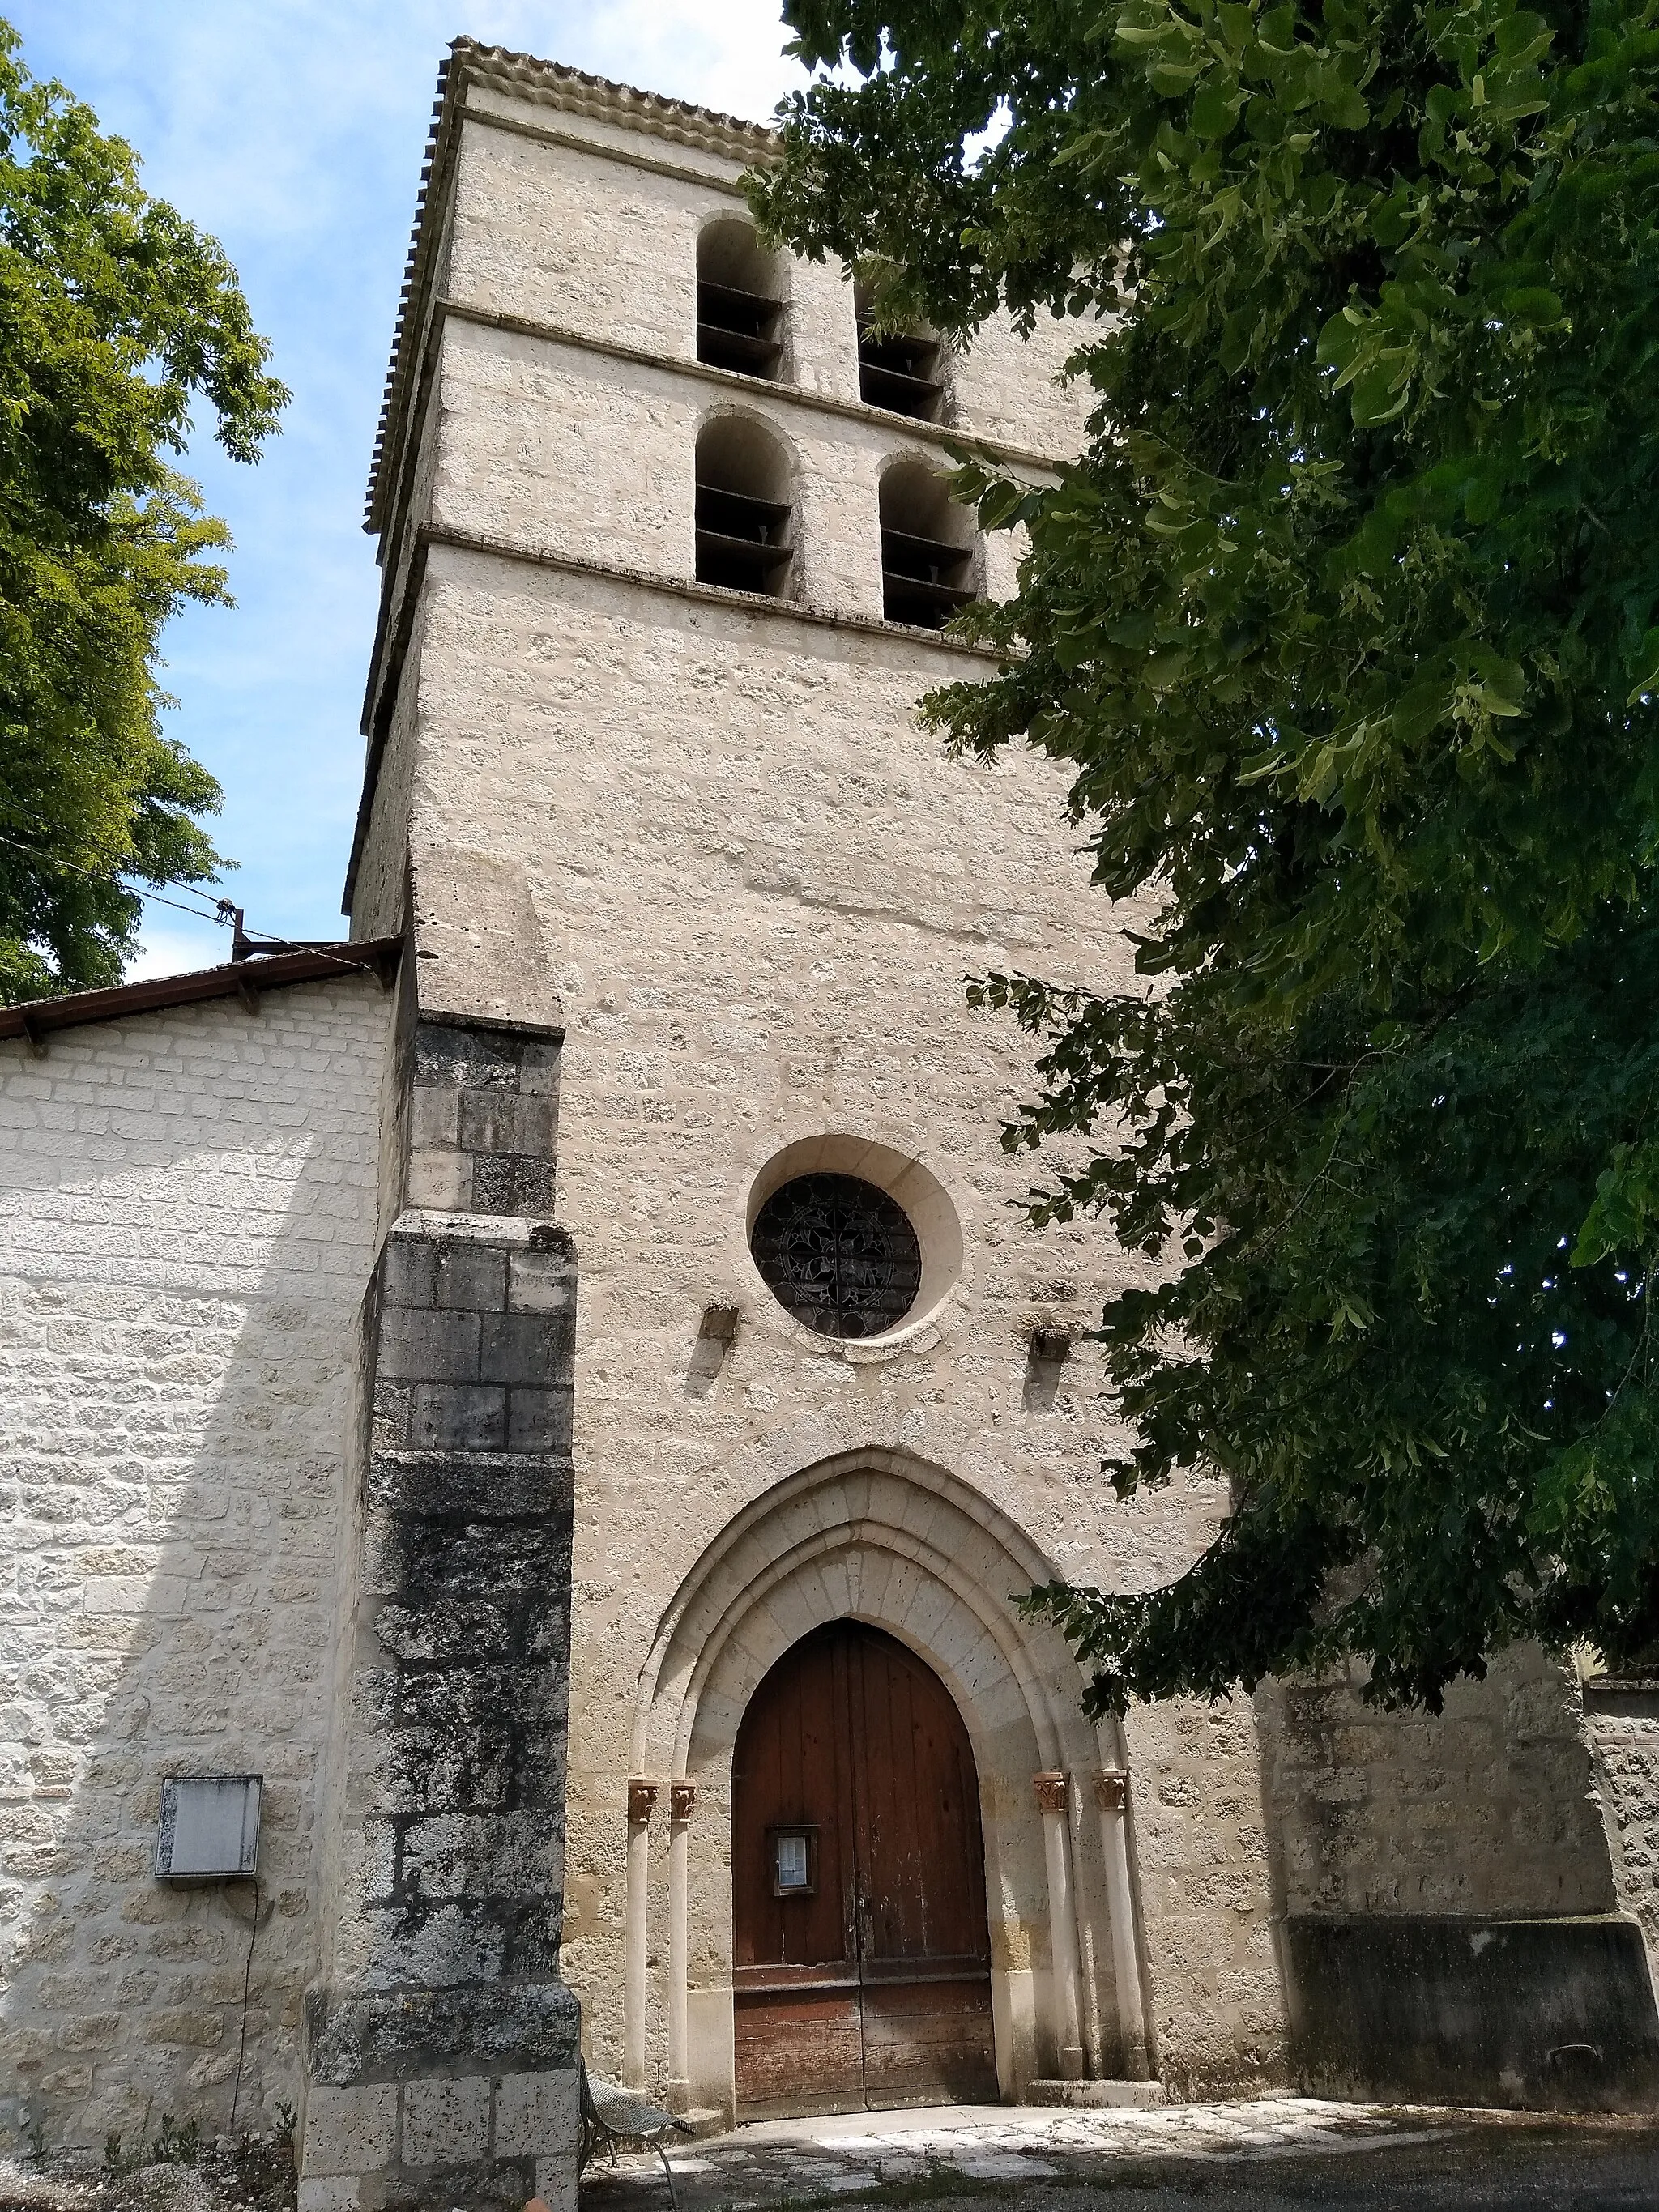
x=179 y=1413
x=1487 y=1807
x=1449 y=1917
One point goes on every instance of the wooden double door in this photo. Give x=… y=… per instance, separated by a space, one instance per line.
x=861 y=1966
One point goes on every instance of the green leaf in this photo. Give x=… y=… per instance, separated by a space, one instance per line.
x=1215 y=109
x=1534 y=304
x=118 y=319
x=1420 y=709
x=1347 y=109
x=1625 y=1213
x=1647 y=681
x=999 y=503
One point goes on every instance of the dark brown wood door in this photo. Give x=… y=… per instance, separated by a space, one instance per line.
x=861 y=1964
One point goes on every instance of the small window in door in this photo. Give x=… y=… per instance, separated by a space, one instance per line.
x=794 y=1861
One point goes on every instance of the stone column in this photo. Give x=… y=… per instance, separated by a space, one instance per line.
x=1052 y=1795
x=441 y=2044
x=642 y=1800
x=682 y=1800
x=1112 y=1800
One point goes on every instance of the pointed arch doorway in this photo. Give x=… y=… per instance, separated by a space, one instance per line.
x=861 y=1968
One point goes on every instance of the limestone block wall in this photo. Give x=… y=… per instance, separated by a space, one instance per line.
x=187 y=1225
x=565 y=452
x=1491 y=1807
x=562 y=235
x=1624 y=1727
x=566 y=234
x=1214 y=1989
x=760 y=887
x=440 y=2047
x=379 y=894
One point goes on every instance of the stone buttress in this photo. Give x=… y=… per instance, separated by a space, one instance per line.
x=441 y=2044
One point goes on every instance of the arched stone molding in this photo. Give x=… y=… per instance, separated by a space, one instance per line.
x=881 y=1536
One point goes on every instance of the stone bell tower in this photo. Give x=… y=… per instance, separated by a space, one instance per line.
x=713 y=1355
x=668 y=546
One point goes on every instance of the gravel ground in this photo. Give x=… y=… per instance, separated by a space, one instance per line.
x=1285 y=2156
x=254 y=2174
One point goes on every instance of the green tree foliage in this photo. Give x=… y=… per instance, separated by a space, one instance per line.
x=1345 y=622
x=114 y=314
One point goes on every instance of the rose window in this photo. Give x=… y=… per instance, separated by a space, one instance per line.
x=838 y=1254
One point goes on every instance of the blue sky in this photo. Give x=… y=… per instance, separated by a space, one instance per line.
x=293 y=132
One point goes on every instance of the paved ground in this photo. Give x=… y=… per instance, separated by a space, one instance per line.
x=1282 y=2154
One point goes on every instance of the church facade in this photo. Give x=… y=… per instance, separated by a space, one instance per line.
x=560 y=1389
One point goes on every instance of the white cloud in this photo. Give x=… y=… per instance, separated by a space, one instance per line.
x=723 y=55
x=174 y=951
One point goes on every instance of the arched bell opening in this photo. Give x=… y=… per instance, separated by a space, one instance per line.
x=746 y=505
x=861 y=1951
x=741 y=300
x=905 y=370
x=929 y=547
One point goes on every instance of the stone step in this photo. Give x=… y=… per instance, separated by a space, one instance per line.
x=1124 y=2096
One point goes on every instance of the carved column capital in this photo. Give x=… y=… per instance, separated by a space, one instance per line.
x=642 y=1799
x=1112 y=1790
x=1051 y=1792
x=682 y=1800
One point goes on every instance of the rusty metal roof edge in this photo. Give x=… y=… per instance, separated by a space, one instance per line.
x=37 y=1017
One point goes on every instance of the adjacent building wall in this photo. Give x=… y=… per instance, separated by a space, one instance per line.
x=187 y=1224
x=1451 y=1927
x=1623 y=1718
x=1490 y=1807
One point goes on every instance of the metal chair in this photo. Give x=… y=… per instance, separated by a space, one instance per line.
x=613 y=2115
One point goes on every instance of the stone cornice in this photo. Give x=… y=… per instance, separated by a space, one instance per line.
x=709 y=595
x=748 y=387
x=552 y=84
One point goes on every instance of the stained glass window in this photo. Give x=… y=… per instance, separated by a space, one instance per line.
x=839 y=1255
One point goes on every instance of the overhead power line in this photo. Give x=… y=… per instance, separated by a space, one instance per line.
x=219 y=911
x=224 y=914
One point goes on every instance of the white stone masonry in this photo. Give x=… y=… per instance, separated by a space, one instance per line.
x=187 y=1204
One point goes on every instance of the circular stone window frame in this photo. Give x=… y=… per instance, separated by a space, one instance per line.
x=928 y=1205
